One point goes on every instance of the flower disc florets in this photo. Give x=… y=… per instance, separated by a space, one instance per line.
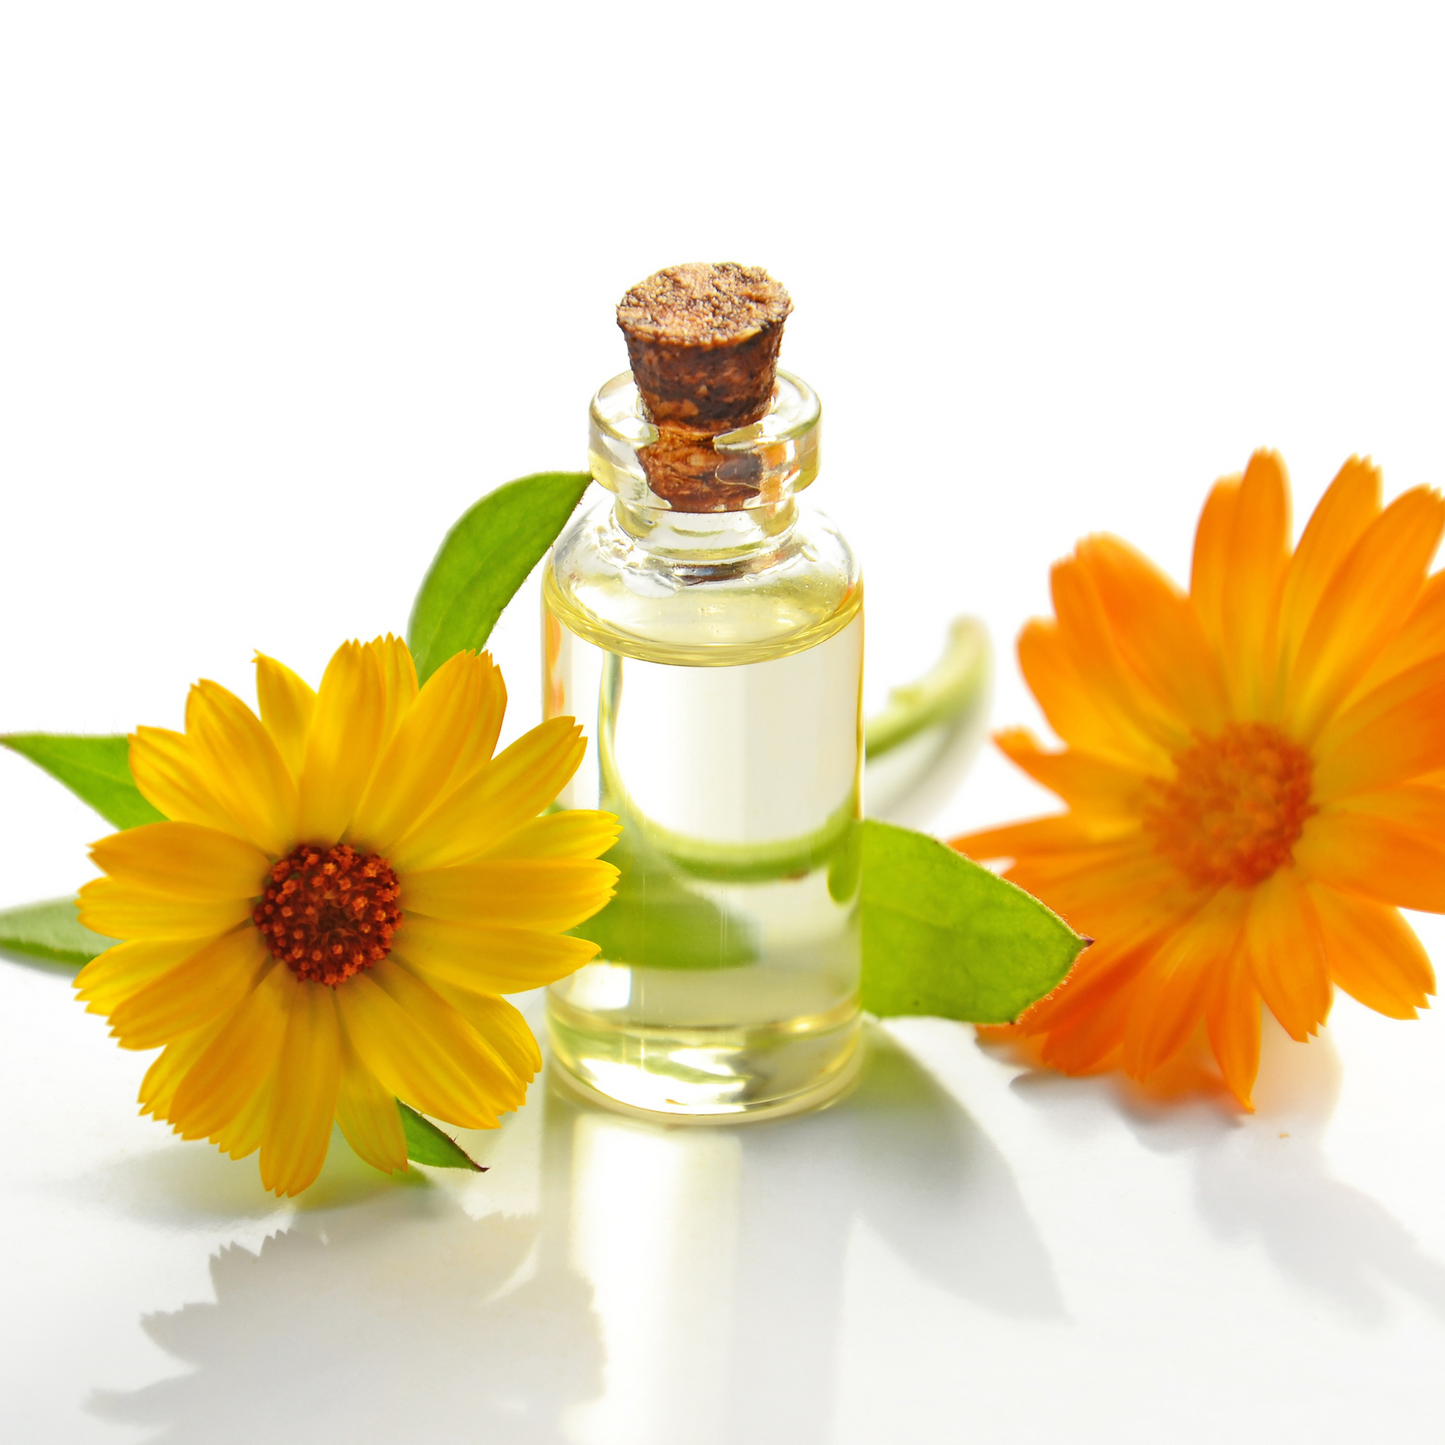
x=329 y=913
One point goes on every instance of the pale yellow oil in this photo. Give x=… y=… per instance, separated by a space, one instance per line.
x=727 y=986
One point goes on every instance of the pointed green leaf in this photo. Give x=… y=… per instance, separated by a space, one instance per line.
x=943 y=936
x=96 y=769
x=483 y=560
x=50 y=932
x=426 y=1144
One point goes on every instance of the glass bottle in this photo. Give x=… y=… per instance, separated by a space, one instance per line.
x=715 y=661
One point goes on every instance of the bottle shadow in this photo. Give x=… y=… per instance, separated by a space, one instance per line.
x=608 y=1279
x=1265 y=1179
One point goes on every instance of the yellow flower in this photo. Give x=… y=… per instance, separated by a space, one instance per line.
x=347 y=885
x=1253 y=774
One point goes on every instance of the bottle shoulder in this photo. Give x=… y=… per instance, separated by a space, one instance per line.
x=700 y=609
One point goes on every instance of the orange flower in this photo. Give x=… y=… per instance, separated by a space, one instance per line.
x=1255 y=776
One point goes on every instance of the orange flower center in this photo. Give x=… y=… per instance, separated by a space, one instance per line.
x=1236 y=806
x=329 y=913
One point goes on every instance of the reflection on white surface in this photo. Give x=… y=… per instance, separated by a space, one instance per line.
x=1062 y=1259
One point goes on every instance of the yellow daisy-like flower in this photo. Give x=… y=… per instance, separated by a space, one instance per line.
x=1255 y=776
x=346 y=886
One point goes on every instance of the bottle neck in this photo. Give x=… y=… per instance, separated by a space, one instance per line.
x=704 y=539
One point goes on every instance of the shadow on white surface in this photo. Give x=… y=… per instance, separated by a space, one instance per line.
x=658 y=1284
x=1265 y=1178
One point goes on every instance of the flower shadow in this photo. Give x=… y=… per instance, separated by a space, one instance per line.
x=1265 y=1178
x=607 y=1279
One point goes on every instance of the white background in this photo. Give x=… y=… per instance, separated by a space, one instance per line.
x=284 y=288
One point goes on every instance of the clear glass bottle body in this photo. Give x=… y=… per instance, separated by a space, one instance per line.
x=715 y=662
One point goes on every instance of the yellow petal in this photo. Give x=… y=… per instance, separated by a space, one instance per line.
x=488 y=960
x=303 y=1102
x=243 y=766
x=168 y=1072
x=502 y=1027
x=242 y=1136
x=398 y=682
x=407 y=1058
x=486 y=726
x=422 y=755
x=114 y=975
x=238 y=1060
x=368 y=1115
x=437 y=1011
x=512 y=788
x=209 y=982
x=287 y=706
x=165 y=769
x=342 y=746
x=119 y=910
x=528 y=893
x=575 y=833
x=184 y=860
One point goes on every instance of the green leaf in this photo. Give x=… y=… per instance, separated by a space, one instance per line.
x=96 y=769
x=50 y=932
x=943 y=936
x=483 y=560
x=426 y=1144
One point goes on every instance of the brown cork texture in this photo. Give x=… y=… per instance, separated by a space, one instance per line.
x=703 y=341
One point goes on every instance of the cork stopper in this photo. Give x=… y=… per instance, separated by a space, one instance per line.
x=703 y=342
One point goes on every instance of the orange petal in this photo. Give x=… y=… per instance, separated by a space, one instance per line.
x=1157 y=632
x=1057 y=833
x=1169 y=996
x=1256 y=557
x=1286 y=954
x=1420 y=638
x=1349 y=505
x=1363 y=607
x=1210 y=567
x=1087 y=634
x=1373 y=954
x=1373 y=854
x=1075 y=710
x=1390 y=736
x=1232 y=1013
x=1084 y=782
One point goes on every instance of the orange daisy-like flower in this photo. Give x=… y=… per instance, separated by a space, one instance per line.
x=1255 y=775
x=346 y=886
